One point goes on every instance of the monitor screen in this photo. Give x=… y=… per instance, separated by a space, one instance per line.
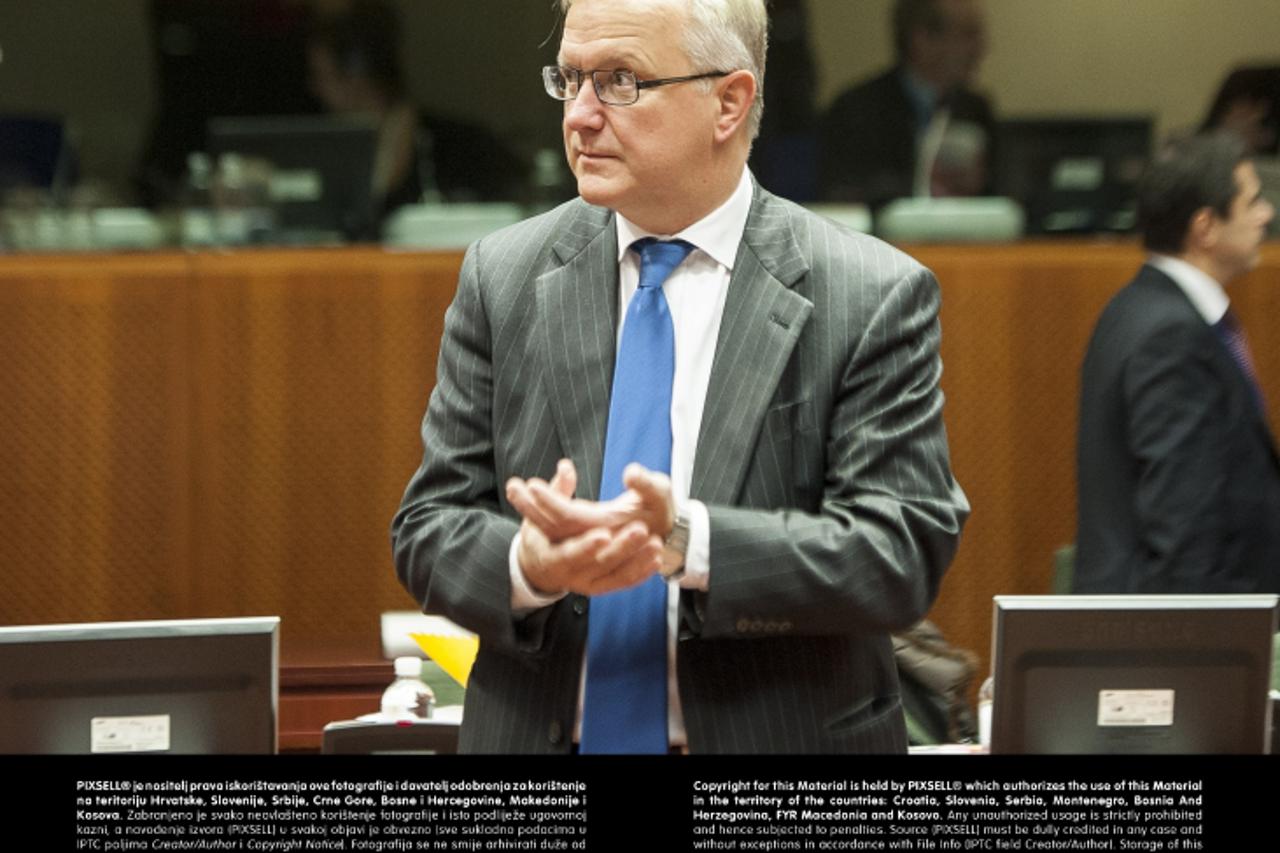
x=319 y=180
x=1132 y=673
x=1073 y=175
x=185 y=686
x=34 y=153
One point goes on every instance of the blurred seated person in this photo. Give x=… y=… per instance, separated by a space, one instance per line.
x=916 y=129
x=1248 y=105
x=215 y=58
x=784 y=156
x=354 y=65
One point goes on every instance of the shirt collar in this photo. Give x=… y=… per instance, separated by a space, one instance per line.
x=717 y=234
x=1207 y=295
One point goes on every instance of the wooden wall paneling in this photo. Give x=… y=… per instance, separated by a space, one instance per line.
x=229 y=434
x=93 y=438
x=313 y=369
x=1015 y=324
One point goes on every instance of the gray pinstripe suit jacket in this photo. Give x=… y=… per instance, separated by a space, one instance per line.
x=822 y=458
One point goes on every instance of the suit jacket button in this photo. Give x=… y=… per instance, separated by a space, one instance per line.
x=555 y=732
x=579 y=606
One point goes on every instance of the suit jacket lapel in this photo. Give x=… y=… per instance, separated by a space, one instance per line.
x=762 y=321
x=577 y=306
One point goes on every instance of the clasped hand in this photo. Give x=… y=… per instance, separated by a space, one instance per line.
x=568 y=544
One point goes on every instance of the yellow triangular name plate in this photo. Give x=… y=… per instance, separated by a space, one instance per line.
x=454 y=652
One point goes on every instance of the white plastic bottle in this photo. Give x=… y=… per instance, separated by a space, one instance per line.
x=408 y=697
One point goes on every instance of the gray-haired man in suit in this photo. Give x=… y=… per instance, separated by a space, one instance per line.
x=807 y=506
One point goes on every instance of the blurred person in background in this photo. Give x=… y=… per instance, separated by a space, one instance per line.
x=217 y=58
x=784 y=158
x=917 y=129
x=1248 y=105
x=353 y=60
x=1178 y=475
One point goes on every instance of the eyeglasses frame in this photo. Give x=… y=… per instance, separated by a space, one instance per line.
x=640 y=84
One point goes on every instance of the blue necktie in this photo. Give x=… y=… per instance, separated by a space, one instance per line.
x=625 y=703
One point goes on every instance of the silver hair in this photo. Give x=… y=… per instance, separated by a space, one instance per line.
x=726 y=35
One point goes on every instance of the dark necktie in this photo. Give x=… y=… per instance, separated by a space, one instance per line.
x=1233 y=338
x=625 y=701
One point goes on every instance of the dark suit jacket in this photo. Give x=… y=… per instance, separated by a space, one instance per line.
x=1179 y=483
x=822 y=459
x=868 y=140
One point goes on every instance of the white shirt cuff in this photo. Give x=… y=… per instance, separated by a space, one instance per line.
x=697 y=560
x=524 y=599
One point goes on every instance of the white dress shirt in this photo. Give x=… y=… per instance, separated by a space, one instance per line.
x=695 y=293
x=1206 y=294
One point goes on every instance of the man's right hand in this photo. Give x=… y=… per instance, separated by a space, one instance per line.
x=592 y=563
x=592 y=560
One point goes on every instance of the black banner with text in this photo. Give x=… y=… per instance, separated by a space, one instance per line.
x=744 y=803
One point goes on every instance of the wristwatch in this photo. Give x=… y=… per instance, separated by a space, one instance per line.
x=675 y=548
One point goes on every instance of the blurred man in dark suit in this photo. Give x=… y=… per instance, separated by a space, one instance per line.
x=1179 y=482
x=916 y=129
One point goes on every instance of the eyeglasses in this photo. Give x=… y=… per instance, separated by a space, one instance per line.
x=617 y=87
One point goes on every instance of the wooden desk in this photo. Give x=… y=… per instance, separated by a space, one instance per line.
x=211 y=434
x=316 y=689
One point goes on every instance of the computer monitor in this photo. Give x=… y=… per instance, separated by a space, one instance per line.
x=320 y=184
x=34 y=153
x=183 y=686
x=1073 y=175
x=1132 y=674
